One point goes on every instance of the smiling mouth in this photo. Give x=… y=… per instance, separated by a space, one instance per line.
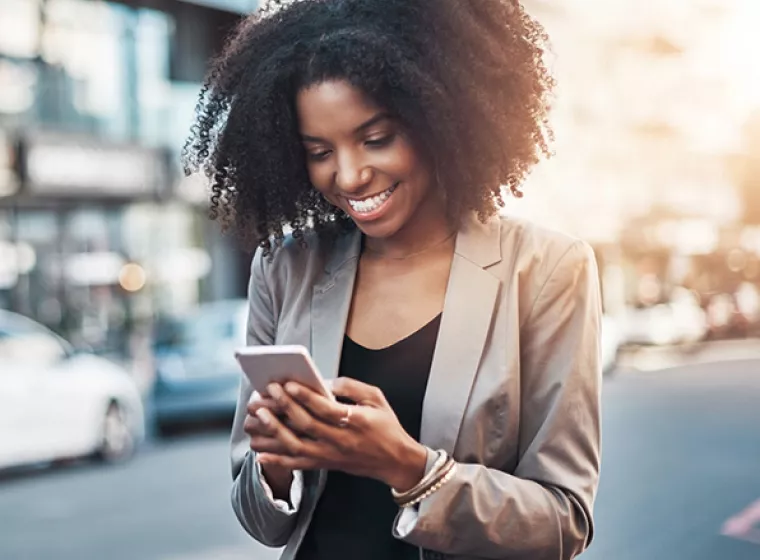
x=372 y=203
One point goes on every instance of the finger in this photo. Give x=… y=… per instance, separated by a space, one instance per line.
x=360 y=393
x=256 y=396
x=270 y=403
x=291 y=463
x=253 y=426
x=318 y=406
x=297 y=418
x=261 y=444
x=293 y=445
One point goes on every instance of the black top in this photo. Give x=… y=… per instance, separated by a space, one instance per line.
x=354 y=516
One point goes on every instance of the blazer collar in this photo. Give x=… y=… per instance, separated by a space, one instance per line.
x=478 y=242
x=345 y=248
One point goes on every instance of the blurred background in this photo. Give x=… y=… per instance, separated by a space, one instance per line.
x=120 y=302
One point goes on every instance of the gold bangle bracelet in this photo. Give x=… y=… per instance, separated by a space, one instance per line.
x=423 y=488
x=433 y=489
x=426 y=480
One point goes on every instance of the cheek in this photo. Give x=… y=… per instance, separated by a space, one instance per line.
x=419 y=178
x=408 y=163
x=319 y=178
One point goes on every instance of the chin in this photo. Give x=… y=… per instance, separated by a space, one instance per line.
x=381 y=229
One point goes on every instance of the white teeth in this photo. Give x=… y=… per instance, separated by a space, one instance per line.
x=370 y=204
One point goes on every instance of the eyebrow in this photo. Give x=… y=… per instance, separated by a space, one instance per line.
x=364 y=126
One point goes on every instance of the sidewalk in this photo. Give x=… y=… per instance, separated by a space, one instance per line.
x=652 y=358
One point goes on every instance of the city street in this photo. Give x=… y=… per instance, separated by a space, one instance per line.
x=681 y=457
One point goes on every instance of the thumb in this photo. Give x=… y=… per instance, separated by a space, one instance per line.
x=360 y=393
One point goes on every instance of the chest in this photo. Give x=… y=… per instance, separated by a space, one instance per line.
x=473 y=396
x=391 y=302
x=401 y=371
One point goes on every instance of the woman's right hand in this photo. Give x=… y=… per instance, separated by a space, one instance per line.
x=261 y=410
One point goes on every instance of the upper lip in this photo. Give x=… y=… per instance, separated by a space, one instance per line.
x=359 y=199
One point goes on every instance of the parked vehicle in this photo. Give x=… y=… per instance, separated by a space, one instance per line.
x=681 y=320
x=612 y=339
x=197 y=377
x=58 y=403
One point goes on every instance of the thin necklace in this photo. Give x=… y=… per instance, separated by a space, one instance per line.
x=410 y=255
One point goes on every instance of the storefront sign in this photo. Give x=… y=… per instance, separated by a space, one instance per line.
x=64 y=166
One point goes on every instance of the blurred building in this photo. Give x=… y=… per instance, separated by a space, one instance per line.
x=98 y=233
x=656 y=142
x=656 y=162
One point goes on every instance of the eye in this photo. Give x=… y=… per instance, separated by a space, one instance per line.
x=379 y=141
x=319 y=155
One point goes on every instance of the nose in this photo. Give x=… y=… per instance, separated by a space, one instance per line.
x=352 y=174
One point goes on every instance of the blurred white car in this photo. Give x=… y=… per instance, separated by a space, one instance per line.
x=56 y=403
x=681 y=320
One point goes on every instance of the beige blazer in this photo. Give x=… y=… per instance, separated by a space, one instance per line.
x=513 y=394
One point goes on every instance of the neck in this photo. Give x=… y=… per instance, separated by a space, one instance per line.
x=428 y=226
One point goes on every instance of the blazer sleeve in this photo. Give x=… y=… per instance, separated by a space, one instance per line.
x=543 y=511
x=258 y=514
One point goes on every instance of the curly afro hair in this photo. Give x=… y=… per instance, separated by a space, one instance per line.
x=465 y=77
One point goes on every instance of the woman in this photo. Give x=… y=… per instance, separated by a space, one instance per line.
x=463 y=347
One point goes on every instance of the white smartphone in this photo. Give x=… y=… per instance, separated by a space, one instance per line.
x=263 y=365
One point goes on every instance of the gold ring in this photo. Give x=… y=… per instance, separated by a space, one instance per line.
x=346 y=420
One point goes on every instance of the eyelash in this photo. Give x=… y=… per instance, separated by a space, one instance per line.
x=380 y=142
x=318 y=156
x=373 y=143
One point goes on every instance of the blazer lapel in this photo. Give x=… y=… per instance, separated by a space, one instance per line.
x=331 y=303
x=467 y=313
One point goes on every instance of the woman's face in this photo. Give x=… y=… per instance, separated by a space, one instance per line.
x=360 y=159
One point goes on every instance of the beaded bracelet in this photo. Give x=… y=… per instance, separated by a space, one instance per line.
x=447 y=476
x=426 y=481
x=415 y=493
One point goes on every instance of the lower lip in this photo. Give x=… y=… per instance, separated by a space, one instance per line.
x=376 y=213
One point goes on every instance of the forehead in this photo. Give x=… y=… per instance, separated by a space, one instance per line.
x=333 y=107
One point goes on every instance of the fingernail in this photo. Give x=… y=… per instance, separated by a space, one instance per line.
x=275 y=391
x=291 y=389
x=263 y=415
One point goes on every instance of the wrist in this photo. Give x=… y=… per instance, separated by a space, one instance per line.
x=277 y=474
x=279 y=480
x=409 y=469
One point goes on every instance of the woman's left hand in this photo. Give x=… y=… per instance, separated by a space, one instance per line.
x=365 y=439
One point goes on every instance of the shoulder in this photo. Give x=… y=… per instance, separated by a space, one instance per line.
x=545 y=264
x=539 y=251
x=525 y=239
x=293 y=261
